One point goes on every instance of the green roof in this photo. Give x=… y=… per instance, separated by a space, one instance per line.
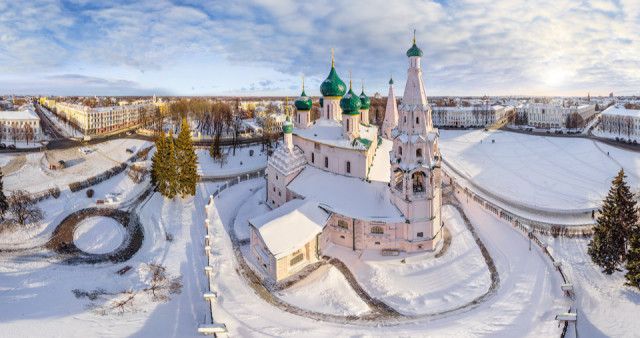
x=333 y=85
x=365 y=100
x=287 y=127
x=350 y=103
x=414 y=51
x=303 y=102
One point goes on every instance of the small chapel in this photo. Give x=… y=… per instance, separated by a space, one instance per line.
x=338 y=180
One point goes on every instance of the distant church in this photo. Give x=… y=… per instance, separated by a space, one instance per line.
x=320 y=185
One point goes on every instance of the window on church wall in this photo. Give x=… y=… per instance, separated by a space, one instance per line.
x=326 y=162
x=398 y=179
x=377 y=230
x=400 y=150
x=297 y=259
x=419 y=153
x=343 y=224
x=417 y=120
x=313 y=158
x=418 y=179
x=347 y=124
x=348 y=167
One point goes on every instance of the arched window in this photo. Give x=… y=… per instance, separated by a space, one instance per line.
x=343 y=224
x=418 y=179
x=348 y=167
x=419 y=152
x=417 y=119
x=347 y=124
x=313 y=158
x=400 y=150
x=405 y=119
x=377 y=230
x=326 y=162
x=398 y=179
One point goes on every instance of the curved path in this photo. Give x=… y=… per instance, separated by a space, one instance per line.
x=524 y=303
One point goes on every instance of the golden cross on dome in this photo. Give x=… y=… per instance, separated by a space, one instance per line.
x=303 y=83
x=363 y=85
x=286 y=106
x=349 y=78
x=331 y=57
x=414 y=36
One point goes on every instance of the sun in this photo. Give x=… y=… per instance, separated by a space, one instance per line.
x=556 y=76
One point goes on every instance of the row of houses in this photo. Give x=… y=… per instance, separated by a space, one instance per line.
x=93 y=121
x=621 y=121
x=553 y=115
x=474 y=116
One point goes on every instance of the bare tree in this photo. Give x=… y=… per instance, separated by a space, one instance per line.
x=24 y=208
x=15 y=134
x=162 y=285
x=28 y=133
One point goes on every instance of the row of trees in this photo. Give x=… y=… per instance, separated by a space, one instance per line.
x=14 y=133
x=616 y=237
x=174 y=164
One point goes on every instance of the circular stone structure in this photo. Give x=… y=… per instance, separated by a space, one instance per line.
x=98 y=235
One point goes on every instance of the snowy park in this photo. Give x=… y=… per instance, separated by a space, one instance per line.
x=546 y=173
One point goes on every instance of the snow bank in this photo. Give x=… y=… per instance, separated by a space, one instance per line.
x=207 y=167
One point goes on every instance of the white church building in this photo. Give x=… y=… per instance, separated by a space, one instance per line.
x=335 y=181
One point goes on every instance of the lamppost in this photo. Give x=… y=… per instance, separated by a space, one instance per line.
x=530 y=236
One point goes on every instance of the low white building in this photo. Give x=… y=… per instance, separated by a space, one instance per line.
x=20 y=125
x=543 y=115
x=621 y=121
x=475 y=116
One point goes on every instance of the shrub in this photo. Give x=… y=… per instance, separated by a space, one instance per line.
x=90 y=193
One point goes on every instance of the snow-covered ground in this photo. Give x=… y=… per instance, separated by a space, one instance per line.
x=327 y=291
x=5 y=159
x=599 y=133
x=525 y=304
x=98 y=235
x=423 y=284
x=241 y=163
x=549 y=173
x=606 y=307
x=252 y=207
x=36 y=175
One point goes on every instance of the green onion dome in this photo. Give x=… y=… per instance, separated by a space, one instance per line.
x=333 y=85
x=391 y=81
x=350 y=103
x=303 y=102
x=365 y=100
x=414 y=51
x=287 y=126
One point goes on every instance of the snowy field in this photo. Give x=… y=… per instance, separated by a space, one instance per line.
x=423 y=284
x=548 y=173
x=35 y=175
x=98 y=235
x=327 y=291
x=241 y=163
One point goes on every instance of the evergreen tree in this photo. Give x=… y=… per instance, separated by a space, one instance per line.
x=633 y=258
x=158 y=164
x=187 y=162
x=171 y=173
x=4 y=205
x=614 y=225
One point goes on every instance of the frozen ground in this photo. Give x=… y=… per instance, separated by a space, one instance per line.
x=35 y=175
x=550 y=173
x=241 y=163
x=524 y=305
x=606 y=307
x=325 y=290
x=423 y=284
x=98 y=235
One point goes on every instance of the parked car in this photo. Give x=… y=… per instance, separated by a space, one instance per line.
x=3 y=146
x=12 y=146
x=635 y=143
x=617 y=139
x=62 y=164
x=129 y=151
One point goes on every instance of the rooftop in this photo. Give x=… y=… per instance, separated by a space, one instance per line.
x=349 y=196
x=27 y=114
x=621 y=111
x=329 y=132
x=292 y=225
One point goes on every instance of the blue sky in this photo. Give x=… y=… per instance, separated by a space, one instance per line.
x=260 y=47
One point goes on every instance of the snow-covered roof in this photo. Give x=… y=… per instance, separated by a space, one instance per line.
x=289 y=227
x=621 y=111
x=330 y=132
x=348 y=196
x=380 y=167
x=27 y=114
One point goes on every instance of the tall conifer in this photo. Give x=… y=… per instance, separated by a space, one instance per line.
x=187 y=161
x=633 y=258
x=158 y=165
x=171 y=163
x=614 y=226
x=4 y=205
